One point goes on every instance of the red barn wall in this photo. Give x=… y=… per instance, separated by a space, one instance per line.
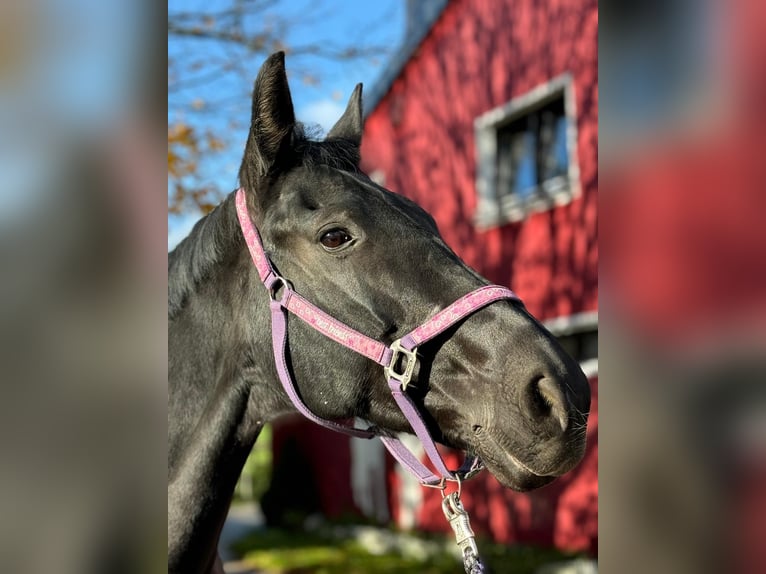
x=479 y=55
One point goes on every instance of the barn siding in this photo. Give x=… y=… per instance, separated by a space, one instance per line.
x=420 y=139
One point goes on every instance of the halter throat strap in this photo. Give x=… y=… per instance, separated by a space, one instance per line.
x=398 y=360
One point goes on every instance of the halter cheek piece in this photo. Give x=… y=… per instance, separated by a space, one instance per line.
x=398 y=361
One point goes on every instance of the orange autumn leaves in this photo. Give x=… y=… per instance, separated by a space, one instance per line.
x=186 y=145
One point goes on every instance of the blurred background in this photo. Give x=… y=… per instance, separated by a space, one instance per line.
x=491 y=115
x=683 y=286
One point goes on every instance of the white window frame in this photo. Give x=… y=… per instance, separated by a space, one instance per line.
x=490 y=210
x=571 y=324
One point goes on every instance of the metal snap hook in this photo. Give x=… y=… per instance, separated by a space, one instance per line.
x=461 y=525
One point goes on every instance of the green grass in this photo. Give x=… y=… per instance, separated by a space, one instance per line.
x=298 y=552
x=257 y=469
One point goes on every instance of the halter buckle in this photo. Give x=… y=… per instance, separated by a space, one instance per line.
x=409 y=358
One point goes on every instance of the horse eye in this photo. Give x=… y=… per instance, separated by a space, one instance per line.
x=334 y=239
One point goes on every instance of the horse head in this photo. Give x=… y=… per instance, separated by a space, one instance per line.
x=496 y=384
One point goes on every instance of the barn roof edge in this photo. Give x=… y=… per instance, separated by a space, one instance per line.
x=418 y=27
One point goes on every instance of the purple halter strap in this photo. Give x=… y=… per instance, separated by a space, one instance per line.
x=397 y=360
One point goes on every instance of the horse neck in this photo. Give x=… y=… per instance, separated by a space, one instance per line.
x=222 y=387
x=218 y=322
x=214 y=420
x=203 y=477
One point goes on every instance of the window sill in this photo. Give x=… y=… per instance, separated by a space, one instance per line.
x=510 y=209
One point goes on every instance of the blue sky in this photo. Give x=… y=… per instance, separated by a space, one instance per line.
x=342 y=23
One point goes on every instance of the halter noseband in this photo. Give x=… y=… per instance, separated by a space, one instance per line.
x=398 y=360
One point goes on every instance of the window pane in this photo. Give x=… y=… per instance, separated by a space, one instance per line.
x=526 y=168
x=516 y=165
x=560 y=151
x=504 y=162
x=552 y=153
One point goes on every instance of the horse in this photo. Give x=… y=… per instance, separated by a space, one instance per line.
x=493 y=383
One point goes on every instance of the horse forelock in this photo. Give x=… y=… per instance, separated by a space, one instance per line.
x=336 y=153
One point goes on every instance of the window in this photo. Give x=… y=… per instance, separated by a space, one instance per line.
x=526 y=155
x=577 y=334
x=581 y=346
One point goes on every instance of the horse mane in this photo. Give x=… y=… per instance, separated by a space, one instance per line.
x=215 y=234
x=195 y=257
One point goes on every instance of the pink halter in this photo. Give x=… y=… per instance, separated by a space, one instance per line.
x=387 y=356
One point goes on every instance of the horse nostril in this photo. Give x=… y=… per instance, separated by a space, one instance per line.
x=549 y=401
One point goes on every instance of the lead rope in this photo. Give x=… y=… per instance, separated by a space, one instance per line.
x=461 y=525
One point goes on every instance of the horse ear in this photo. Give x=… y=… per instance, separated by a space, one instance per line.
x=349 y=126
x=271 y=124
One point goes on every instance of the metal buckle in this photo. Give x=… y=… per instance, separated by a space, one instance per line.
x=410 y=358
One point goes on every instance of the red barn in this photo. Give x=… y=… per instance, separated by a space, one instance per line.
x=487 y=118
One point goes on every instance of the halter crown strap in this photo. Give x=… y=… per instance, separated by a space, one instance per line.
x=374 y=350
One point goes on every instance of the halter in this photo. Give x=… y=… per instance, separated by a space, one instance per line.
x=398 y=361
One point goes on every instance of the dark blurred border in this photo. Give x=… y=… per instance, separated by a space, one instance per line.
x=683 y=284
x=83 y=241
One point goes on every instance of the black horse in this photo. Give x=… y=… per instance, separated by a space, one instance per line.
x=496 y=385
